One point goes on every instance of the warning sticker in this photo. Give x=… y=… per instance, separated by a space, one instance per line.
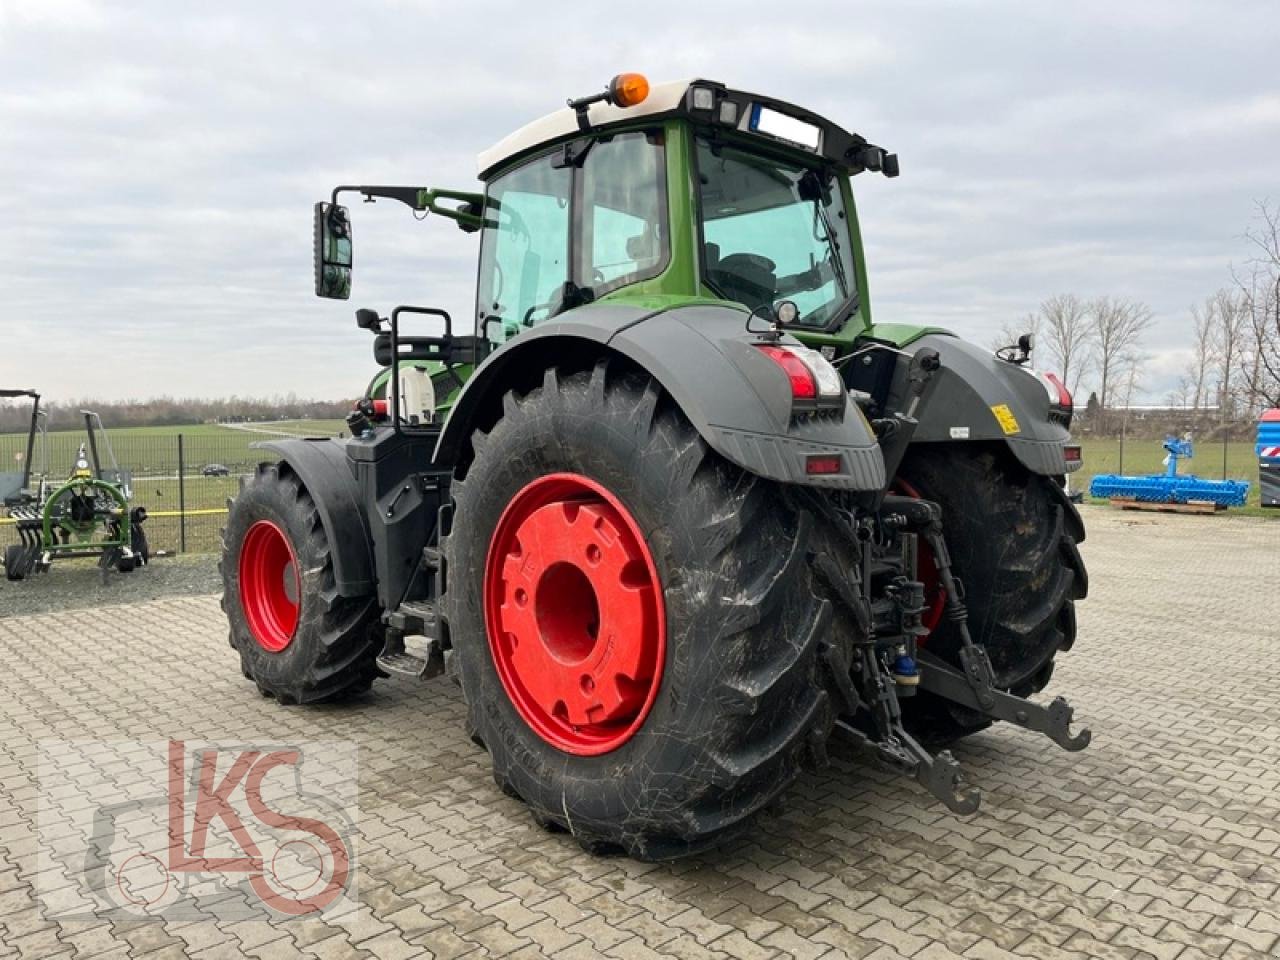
x=1004 y=416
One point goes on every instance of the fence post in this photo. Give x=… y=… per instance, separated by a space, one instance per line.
x=182 y=499
x=1225 y=434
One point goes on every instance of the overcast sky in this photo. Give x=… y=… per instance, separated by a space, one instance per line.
x=159 y=160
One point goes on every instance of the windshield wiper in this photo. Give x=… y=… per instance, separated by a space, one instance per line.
x=833 y=247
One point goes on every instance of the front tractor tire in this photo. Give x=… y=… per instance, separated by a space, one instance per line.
x=297 y=639
x=1013 y=538
x=633 y=619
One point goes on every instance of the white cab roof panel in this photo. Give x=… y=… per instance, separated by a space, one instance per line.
x=663 y=98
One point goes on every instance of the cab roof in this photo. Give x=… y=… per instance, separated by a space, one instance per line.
x=743 y=115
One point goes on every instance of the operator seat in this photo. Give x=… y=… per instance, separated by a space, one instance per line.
x=747 y=278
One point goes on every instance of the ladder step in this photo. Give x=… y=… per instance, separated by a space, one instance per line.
x=404 y=664
x=397 y=660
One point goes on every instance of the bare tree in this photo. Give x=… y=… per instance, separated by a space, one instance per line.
x=1182 y=393
x=1260 y=300
x=1230 y=326
x=1067 y=335
x=1205 y=330
x=1118 y=325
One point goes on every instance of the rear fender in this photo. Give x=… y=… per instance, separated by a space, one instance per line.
x=322 y=467
x=979 y=397
x=704 y=358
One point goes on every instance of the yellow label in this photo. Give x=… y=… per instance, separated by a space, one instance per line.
x=1004 y=416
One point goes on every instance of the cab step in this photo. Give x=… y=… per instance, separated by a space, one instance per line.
x=422 y=663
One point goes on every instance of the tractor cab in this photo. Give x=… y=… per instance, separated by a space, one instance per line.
x=689 y=189
x=684 y=192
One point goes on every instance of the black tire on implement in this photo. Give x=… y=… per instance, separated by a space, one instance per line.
x=337 y=640
x=1013 y=537
x=14 y=558
x=742 y=694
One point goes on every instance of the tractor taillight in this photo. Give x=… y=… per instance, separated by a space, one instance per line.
x=812 y=377
x=1064 y=395
x=1072 y=453
x=804 y=385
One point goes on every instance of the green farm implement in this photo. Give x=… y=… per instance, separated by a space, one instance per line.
x=87 y=514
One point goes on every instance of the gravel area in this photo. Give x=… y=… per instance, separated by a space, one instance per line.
x=77 y=584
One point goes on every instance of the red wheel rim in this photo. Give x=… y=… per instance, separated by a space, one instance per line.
x=269 y=585
x=574 y=612
x=935 y=598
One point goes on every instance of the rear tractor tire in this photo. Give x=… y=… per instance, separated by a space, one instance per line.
x=1013 y=537
x=633 y=619
x=297 y=639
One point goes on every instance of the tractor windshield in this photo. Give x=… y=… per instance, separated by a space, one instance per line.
x=774 y=231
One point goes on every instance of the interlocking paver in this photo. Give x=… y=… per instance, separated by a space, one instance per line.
x=1160 y=841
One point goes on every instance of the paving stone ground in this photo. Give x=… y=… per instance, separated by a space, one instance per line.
x=1161 y=840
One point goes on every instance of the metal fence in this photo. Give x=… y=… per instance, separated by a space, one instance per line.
x=184 y=477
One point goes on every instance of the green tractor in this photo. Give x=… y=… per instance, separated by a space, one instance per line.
x=85 y=515
x=673 y=509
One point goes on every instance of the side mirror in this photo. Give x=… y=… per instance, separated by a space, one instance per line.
x=332 y=251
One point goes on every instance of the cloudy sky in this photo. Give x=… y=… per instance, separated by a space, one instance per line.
x=160 y=160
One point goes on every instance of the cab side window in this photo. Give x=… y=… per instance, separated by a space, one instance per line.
x=623 y=215
x=524 y=250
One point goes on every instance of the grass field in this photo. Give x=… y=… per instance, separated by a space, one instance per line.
x=154 y=450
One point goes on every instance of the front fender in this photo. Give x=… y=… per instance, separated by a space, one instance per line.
x=979 y=397
x=324 y=470
x=704 y=358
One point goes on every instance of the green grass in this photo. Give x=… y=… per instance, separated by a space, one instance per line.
x=154 y=450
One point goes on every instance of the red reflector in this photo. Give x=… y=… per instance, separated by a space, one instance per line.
x=803 y=385
x=822 y=463
x=1072 y=454
x=380 y=408
x=1064 y=395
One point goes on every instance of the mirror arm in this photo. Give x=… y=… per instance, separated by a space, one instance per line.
x=466 y=214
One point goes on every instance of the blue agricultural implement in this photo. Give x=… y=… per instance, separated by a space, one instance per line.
x=1170 y=487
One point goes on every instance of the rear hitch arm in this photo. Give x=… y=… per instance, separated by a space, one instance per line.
x=940 y=775
x=975 y=689
x=975 y=686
